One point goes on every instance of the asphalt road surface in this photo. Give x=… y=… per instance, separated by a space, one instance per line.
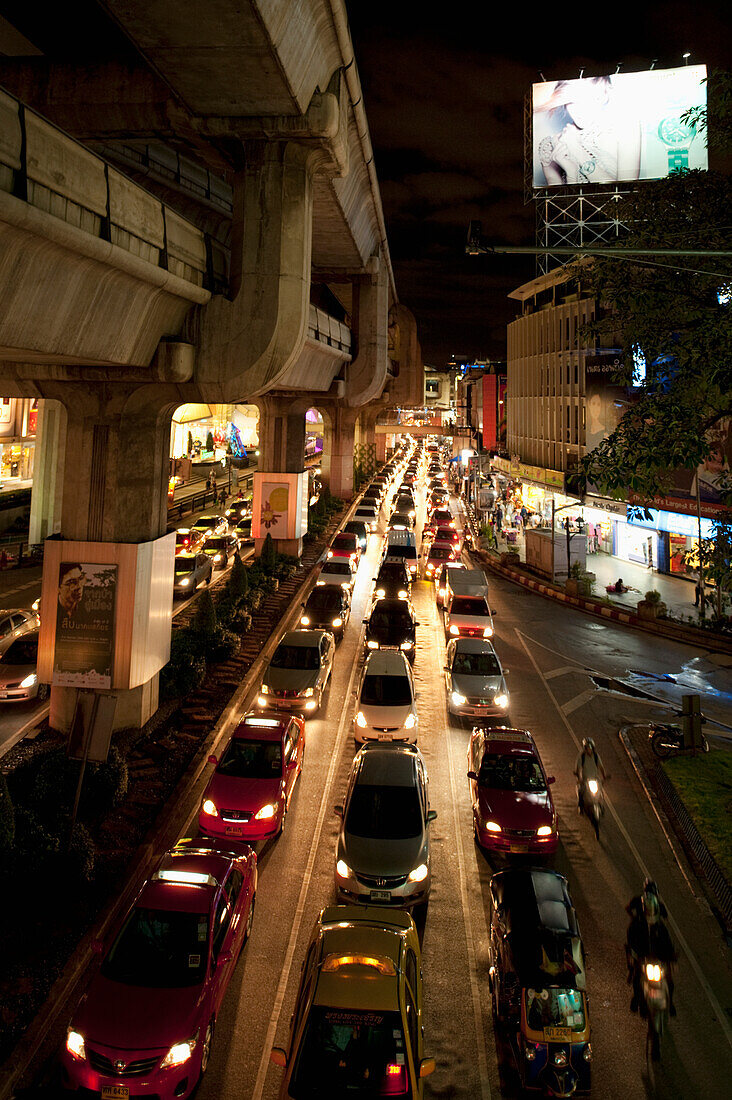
x=551 y=652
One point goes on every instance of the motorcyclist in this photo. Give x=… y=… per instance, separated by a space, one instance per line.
x=467 y=537
x=648 y=938
x=634 y=908
x=588 y=765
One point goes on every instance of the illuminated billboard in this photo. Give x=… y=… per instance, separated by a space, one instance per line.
x=610 y=128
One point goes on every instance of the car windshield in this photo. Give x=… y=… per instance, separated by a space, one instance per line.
x=476 y=664
x=355 y=528
x=384 y=813
x=244 y=524
x=440 y=553
x=386 y=691
x=343 y=542
x=340 y=568
x=185 y=565
x=218 y=543
x=350 y=1053
x=388 y=621
x=554 y=1008
x=515 y=772
x=324 y=599
x=23 y=651
x=204 y=523
x=392 y=571
x=441 y=519
x=467 y=605
x=445 y=533
x=245 y=759
x=401 y=551
x=160 y=949
x=296 y=656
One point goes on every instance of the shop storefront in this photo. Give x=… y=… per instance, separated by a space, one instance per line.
x=677 y=538
x=18 y=418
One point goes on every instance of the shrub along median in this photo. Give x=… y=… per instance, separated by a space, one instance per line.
x=704 y=784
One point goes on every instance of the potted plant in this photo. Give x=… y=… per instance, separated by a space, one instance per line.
x=652 y=606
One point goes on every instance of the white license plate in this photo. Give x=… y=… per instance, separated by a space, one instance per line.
x=517 y=848
x=380 y=895
x=115 y=1092
x=233 y=830
x=384 y=737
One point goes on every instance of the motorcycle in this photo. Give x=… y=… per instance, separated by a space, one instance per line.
x=655 y=991
x=593 y=803
x=668 y=739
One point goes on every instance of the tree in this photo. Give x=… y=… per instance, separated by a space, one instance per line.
x=190 y=444
x=672 y=314
x=205 y=623
x=268 y=556
x=210 y=442
x=238 y=579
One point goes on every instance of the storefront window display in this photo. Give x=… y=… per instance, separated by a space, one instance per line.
x=637 y=544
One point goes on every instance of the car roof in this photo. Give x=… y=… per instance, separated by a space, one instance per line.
x=17 y=611
x=388 y=765
x=474 y=645
x=327 y=588
x=358 y=986
x=189 y=857
x=507 y=741
x=264 y=725
x=186 y=556
x=390 y=603
x=386 y=662
x=302 y=637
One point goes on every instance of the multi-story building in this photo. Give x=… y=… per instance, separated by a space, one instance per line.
x=439 y=388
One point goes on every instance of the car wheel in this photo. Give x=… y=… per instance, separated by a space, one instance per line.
x=250 y=919
x=206 y=1047
x=281 y=829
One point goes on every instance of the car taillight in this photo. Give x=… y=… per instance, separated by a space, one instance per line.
x=395 y=1080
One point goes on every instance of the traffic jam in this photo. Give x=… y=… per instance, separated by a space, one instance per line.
x=146 y=1024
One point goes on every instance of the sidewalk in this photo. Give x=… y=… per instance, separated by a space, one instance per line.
x=676 y=592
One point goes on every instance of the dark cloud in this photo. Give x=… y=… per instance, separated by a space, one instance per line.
x=444 y=90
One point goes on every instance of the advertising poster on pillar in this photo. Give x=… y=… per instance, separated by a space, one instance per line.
x=85 y=625
x=277 y=509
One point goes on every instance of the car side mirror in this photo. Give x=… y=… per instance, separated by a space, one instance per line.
x=432 y=815
x=278 y=1057
x=426 y=1067
x=416 y=623
x=213 y=759
x=473 y=775
x=365 y=621
x=551 y=779
x=338 y=810
x=506 y=671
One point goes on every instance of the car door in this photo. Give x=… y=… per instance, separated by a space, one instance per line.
x=449 y=657
x=412 y=1013
x=222 y=957
x=345 y=606
x=204 y=567
x=290 y=759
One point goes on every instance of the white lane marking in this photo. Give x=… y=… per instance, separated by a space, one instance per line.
x=485 y=1088
x=563 y=671
x=708 y=991
x=578 y=701
x=300 y=908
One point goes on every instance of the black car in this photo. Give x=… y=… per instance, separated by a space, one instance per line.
x=220 y=548
x=360 y=530
x=394 y=581
x=391 y=625
x=328 y=607
x=243 y=529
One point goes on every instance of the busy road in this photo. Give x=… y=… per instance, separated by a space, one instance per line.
x=547 y=651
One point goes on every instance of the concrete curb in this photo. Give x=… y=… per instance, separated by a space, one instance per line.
x=701 y=860
x=602 y=611
x=35 y=1044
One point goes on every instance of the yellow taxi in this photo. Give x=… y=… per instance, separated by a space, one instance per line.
x=357 y=1026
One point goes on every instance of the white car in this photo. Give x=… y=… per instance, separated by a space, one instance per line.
x=338 y=571
x=386 y=700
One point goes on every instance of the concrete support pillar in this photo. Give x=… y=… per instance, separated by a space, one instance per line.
x=380 y=440
x=341 y=445
x=366 y=376
x=282 y=447
x=48 y=472
x=115 y=481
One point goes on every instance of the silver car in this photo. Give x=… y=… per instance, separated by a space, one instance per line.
x=18 y=676
x=475 y=681
x=14 y=624
x=298 y=671
x=383 y=849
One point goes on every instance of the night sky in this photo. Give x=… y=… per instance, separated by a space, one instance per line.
x=443 y=90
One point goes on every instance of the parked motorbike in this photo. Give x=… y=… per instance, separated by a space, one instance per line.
x=654 y=987
x=667 y=739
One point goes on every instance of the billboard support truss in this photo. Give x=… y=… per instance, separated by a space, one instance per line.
x=578 y=217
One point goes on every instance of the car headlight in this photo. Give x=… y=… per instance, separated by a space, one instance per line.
x=305 y=620
x=419 y=874
x=184 y=582
x=403 y=594
x=361 y=719
x=345 y=584
x=488 y=632
x=441 y=591
x=29 y=681
x=179 y=1053
x=458 y=700
x=372 y=644
x=217 y=557
x=501 y=700
x=529 y=1054
x=380 y=592
x=261 y=701
x=209 y=808
x=493 y=826
x=75 y=1044
x=264 y=689
x=454 y=629
x=338 y=622
x=307 y=693
x=412 y=568
x=407 y=645
x=267 y=812
x=544 y=830
x=560 y=1058
x=330 y=553
x=430 y=567
x=311 y=704
x=409 y=722
x=342 y=869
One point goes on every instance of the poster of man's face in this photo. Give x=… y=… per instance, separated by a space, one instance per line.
x=85 y=619
x=70 y=587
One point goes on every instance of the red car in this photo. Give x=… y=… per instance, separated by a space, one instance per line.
x=438 y=554
x=441 y=517
x=448 y=534
x=145 y=1025
x=345 y=545
x=513 y=811
x=248 y=795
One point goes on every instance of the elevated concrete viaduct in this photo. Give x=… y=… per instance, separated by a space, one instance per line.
x=174 y=190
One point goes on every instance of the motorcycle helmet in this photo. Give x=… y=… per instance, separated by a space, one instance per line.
x=650 y=887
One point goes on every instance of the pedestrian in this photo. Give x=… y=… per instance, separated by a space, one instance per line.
x=499 y=518
x=208 y=481
x=698 y=594
x=524 y=514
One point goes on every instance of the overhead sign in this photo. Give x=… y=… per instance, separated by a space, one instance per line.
x=605 y=129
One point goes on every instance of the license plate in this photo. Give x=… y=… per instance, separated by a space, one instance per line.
x=380 y=895
x=384 y=737
x=233 y=830
x=517 y=848
x=115 y=1092
x=557 y=1034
